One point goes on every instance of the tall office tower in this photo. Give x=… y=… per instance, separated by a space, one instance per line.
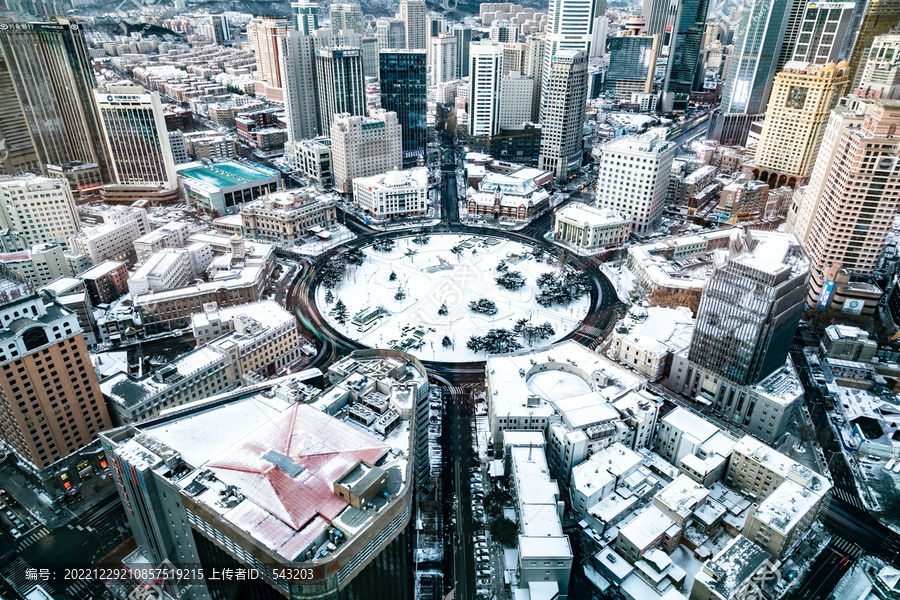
x=601 y=32
x=436 y=26
x=655 y=13
x=843 y=216
x=878 y=18
x=533 y=67
x=823 y=29
x=414 y=13
x=881 y=74
x=301 y=107
x=443 y=58
x=570 y=27
x=391 y=34
x=403 y=91
x=20 y=154
x=562 y=114
x=263 y=34
x=750 y=308
x=790 y=31
x=347 y=16
x=632 y=65
x=513 y=57
x=137 y=138
x=634 y=178
x=463 y=35
x=305 y=14
x=54 y=87
x=340 y=83
x=485 y=67
x=803 y=95
x=52 y=405
x=515 y=100
x=364 y=146
x=220 y=27
x=368 y=46
x=751 y=69
x=683 y=75
x=41 y=210
x=504 y=32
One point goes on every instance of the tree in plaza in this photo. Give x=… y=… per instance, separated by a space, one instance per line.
x=400 y=295
x=510 y=280
x=446 y=343
x=483 y=306
x=392 y=276
x=340 y=312
x=442 y=310
x=383 y=244
x=329 y=297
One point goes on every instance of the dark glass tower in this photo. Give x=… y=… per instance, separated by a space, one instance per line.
x=54 y=85
x=403 y=92
x=690 y=24
x=751 y=307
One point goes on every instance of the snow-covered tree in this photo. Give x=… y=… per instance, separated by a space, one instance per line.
x=483 y=306
x=340 y=312
x=510 y=280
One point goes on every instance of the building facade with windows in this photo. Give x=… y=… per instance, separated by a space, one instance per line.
x=284 y=218
x=364 y=146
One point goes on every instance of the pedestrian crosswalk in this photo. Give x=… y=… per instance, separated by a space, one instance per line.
x=842 y=546
x=78 y=589
x=32 y=538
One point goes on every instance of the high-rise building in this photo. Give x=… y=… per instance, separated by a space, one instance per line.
x=570 y=27
x=878 y=17
x=843 y=216
x=340 y=82
x=515 y=100
x=277 y=481
x=823 y=29
x=513 y=57
x=305 y=14
x=750 y=309
x=368 y=46
x=634 y=178
x=683 y=75
x=41 y=210
x=52 y=405
x=751 y=69
x=881 y=74
x=601 y=32
x=347 y=16
x=803 y=95
x=504 y=32
x=298 y=66
x=443 y=58
x=263 y=34
x=463 y=35
x=20 y=154
x=136 y=135
x=414 y=14
x=533 y=66
x=391 y=34
x=485 y=67
x=655 y=13
x=54 y=85
x=403 y=91
x=562 y=113
x=364 y=146
x=632 y=65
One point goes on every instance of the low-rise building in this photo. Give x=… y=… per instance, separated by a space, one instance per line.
x=728 y=575
x=647 y=338
x=757 y=470
x=744 y=199
x=520 y=193
x=222 y=187
x=170 y=235
x=587 y=228
x=40 y=265
x=393 y=194
x=284 y=218
x=782 y=519
x=597 y=477
x=164 y=270
x=650 y=529
x=313 y=159
x=698 y=448
x=848 y=343
x=114 y=239
x=106 y=282
x=676 y=264
x=681 y=499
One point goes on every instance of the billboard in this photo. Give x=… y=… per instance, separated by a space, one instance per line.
x=853 y=307
x=825 y=295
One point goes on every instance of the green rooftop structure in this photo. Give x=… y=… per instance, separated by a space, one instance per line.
x=223 y=186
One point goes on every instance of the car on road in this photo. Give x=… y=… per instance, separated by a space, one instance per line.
x=15 y=533
x=484 y=573
x=32 y=522
x=478 y=538
x=19 y=524
x=481 y=545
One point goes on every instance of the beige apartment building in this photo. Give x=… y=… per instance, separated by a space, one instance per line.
x=42 y=210
x=803 y=95
x=364 y=146
x=843 y=216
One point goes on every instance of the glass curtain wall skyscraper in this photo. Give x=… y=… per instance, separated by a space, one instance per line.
x=403 y=89
x=683 y=76
x=54 y=84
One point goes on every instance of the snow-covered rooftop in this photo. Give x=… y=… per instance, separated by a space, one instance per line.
x=788 y=504
x=646 y=527
x=604 y=467
x=727 y=570
x=682 y=496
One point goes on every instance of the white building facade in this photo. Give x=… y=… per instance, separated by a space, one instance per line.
x=393 y=194
x=364 y=146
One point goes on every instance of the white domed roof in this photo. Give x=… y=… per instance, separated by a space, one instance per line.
x=395 y=177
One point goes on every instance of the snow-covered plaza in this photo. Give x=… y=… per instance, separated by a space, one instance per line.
x=429 y=294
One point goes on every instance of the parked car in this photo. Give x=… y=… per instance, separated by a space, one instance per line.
x=19 y=524
x=31 y=521
x=15 y=533
x=484 y=573
x=478 y=538
x=481 y=545
x=10 y=515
